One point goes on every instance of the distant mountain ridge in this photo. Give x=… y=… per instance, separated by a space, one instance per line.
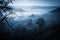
x=57 y=10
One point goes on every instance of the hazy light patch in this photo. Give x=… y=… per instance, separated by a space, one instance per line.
x=27 y=11
x=25 y=14
x=28 y=3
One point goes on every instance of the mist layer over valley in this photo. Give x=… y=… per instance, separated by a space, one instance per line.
x=30 y=20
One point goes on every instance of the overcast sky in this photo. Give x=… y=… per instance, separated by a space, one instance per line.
x=36 y=2
x=51 y=2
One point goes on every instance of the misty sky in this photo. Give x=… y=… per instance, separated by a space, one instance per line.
x=26 y=6
x=37 y=2
x=51 y=2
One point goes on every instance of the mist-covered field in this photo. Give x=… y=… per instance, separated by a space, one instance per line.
x=23 y=15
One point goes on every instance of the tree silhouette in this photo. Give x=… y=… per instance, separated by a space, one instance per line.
x=4 y=7
x=40 y=22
